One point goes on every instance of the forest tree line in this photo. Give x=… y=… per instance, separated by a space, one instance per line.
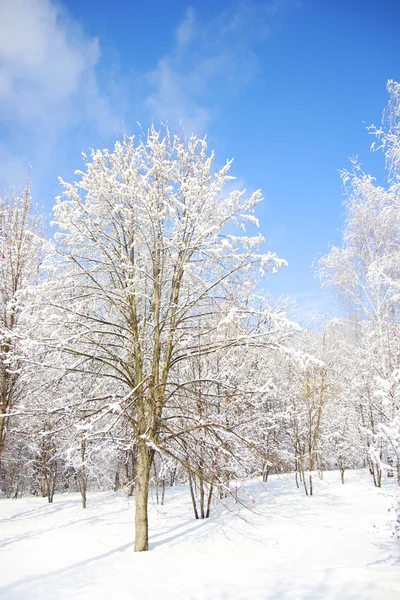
x=139 y=348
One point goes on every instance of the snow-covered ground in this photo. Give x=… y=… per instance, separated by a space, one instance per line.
x=335 y=545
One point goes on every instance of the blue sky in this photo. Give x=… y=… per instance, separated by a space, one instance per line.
x=286 y=87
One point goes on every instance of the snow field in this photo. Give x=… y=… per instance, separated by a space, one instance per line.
x=336 y=545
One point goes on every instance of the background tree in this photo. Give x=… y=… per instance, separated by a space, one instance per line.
x=21 y=254
x=365 y=273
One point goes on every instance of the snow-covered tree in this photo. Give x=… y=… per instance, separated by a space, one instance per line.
x=148 y=265
x=21 y=254
x=365 y=272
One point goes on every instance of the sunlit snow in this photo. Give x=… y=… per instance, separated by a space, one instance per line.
x=336 y=545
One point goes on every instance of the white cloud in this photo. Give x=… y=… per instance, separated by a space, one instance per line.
x=185 y=31
x=209 y=61
x=51 y=97
x=48 y=82
x=38 y=60
x=172 y=101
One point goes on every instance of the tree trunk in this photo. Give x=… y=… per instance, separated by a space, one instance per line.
x=296 y=475
x=202 y=498
x=342 y=475
x=2 y=428
x=52 y=480
x=83 y=473
x=172 y=477
x=156 y=480
x=11 y=484
x=116 y=482
x=142 y=495
x=377 y=475
x=209 y=502
x=303 y=476
x=162 y=491
x=192 y=495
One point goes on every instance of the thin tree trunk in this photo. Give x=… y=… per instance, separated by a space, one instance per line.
x=196 y=514
x=83 y=473
x=156 y=481
x=377 y=475
x=297 y=473
x=172 y=477
x=116 y=482
x=209 y=502
x=202 y=497
x=303 y=477
x=142 y=496
x=311 y=460
x=162 y=491
x=305 y=484
x=52 y=479
x=11 y=485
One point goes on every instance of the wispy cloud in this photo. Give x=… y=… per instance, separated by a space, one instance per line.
x=48 y=82
x=209 y=61
x=186 y=29
x=52 y=99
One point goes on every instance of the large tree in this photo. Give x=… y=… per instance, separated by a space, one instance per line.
x=149 y=264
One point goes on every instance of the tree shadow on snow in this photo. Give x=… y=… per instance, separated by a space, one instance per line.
x=58 y=579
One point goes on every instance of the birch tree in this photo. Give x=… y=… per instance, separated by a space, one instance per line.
x=365 y=272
